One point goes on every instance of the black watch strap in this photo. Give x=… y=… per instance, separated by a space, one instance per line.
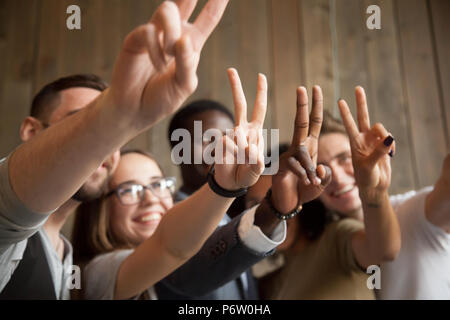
x=281 y=216
x=221 y=191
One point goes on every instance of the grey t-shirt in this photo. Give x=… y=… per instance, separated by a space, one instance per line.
x=17 y=224
x=101 y=275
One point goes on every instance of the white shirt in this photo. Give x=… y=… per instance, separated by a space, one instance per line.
x=422 y=268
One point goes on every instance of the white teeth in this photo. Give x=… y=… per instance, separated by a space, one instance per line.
x=151 y=217
x=343 y=190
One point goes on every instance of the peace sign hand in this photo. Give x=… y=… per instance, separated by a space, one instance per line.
x=370 y=146
x=243 y=161
x=156 y=69
x=299 y=180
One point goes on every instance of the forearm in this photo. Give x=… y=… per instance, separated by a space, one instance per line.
x=179 y=236
x=189 y=223
x=47 y=170
x=382 y=231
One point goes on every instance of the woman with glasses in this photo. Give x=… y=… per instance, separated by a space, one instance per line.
x=122 y=241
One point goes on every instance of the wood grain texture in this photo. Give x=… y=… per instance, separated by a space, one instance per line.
x=286 y=64
x=422 y=89
x=17 y=46
x=440 y=12
x=317 y=48
x=404 y=66
x=387 y=104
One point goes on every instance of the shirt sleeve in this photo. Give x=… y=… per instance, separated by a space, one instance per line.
x=101 y=274
x=252 y=236
x=17 y=222
x=340 y=234
x=410 y=209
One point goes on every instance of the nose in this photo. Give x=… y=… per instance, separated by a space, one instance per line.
x=338 y=174
x=149 y=198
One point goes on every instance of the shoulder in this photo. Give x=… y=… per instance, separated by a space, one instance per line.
x=101 y=272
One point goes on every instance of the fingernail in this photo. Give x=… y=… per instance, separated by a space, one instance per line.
x=318 y=181
x=388 y=141
x=391 y=153
x=307 y=182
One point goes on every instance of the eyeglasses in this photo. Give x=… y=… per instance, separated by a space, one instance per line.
x=130 y=193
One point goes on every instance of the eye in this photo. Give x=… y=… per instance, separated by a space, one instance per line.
x=345 y=159
x=132 y=189
x=157 y=184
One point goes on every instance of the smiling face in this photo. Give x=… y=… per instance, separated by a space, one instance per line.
x=135 y=223
x=342 y=194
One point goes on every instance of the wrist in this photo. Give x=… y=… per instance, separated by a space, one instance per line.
x=265 y=219
x=372 y=196
x=222 y=191
x=113 y=116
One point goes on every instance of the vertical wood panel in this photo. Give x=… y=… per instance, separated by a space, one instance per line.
x=385 y=91
x=422 y=89
x=51 y=28
x=352 y=64
x=253 y=51
x=440 y=11
x=405 y=70
x=18 y=66
x=317 y=48
x=286 y=64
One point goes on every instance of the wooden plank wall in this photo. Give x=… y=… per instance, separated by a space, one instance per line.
x=404 y=66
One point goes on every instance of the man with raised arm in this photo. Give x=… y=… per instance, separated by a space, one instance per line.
x=153 y=75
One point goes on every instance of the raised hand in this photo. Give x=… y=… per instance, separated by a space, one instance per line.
x=299 y=180
x=370 y=146
x=243 y=161
x=156 y=69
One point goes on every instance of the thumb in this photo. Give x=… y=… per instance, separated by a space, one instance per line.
x=324 y=173
x=382 y=149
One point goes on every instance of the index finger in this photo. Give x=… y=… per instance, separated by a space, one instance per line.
x=186 y=8
x=208 y=19
x=301 y=118
x=363 y=113
x=347 y=118
x=240 y=104
x=259 y=111
x=316 y=113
